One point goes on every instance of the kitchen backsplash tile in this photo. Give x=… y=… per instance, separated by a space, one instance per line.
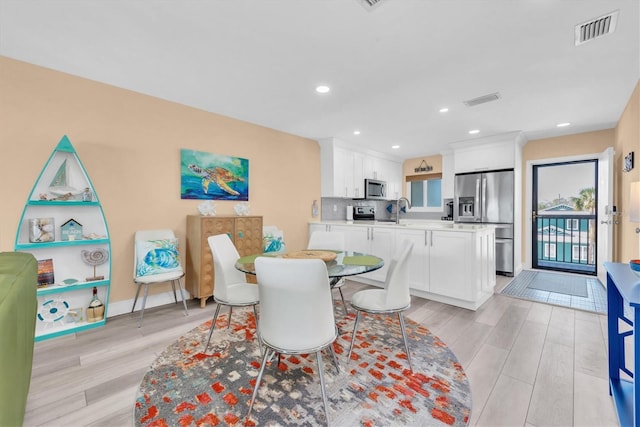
x=335 y=209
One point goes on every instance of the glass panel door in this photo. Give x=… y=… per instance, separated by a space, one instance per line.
x=564 y=229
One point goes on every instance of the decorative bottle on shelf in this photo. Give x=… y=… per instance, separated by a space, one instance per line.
x=314 y=209
x=95 y=312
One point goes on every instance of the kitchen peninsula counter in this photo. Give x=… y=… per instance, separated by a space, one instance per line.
x=450 y=263
x=413 y=225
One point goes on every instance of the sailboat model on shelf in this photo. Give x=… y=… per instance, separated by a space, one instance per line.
x=62 y=193
x=60 y=185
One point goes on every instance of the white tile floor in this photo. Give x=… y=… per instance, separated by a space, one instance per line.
x=596 y=300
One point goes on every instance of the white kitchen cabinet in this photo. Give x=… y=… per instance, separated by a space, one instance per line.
x=370 y=167
x=386 y=170
x=356 y=237
x=376 y=241
x=450 y=261
x=317 y=227
x=433 y=263
x=453 y=264
x=346 y=230
x=492 y=153
x=358 y=175
x=343 y=171
x=418 y=258
x=448 y=175
x=382 y=245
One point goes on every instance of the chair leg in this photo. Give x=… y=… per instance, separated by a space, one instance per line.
x=144 y=302
x=353 y=337
x=324 y=392
x=255 y=313
x=346 y=310
x=230 y=312
x=173 y=287
x=213 y=325
x=257 y=386
x=406 y=342
x=184 y=302
x=135 y=300
x=335 y=359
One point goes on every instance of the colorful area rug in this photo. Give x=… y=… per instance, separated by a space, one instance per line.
x=187 y=387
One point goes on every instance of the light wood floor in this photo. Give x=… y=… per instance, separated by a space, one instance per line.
x=529 y=364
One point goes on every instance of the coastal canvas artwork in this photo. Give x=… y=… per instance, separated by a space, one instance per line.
x=213 y=177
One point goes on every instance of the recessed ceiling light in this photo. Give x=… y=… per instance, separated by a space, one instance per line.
x=356 y=132
x=395 y=147
x=444 y=110
x=565 y=124
x=322 y=89
x=474 y=131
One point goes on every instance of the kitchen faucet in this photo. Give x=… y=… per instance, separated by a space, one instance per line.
x=398 y=207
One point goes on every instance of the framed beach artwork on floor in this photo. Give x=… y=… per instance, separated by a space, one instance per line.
x=213 y=176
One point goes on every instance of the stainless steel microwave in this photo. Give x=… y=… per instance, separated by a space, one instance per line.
x=374 y=189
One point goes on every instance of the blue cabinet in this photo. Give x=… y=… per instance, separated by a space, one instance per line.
x=623 y=302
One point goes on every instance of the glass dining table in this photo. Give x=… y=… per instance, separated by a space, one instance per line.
x=346 y=263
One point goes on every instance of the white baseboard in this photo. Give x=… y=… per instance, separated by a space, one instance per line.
x=123 y=307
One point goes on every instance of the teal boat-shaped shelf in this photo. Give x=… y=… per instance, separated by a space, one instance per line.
x=56 y=289
x=36 y=246
x=64 y=192
x=61 y=203
x=66 y=328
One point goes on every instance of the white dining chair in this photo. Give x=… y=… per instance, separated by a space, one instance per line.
x=395 y=297
x=331 y=240
x=230 y=287
x=156 y=260
x=296 y=313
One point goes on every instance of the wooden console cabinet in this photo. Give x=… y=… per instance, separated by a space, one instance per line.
x=246 y=234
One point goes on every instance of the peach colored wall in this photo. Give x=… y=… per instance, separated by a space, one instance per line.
x=569 y=145
x=627 y=139
x=409 y=165
x=130 y=146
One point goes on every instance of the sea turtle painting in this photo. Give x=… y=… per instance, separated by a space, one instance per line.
x=213 y=177
x=220 y=176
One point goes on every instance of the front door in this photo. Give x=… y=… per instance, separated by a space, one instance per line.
x=564 y=232
x=607 y=213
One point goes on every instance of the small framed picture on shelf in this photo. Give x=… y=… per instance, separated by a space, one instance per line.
x=41 y=230
x=45 y=273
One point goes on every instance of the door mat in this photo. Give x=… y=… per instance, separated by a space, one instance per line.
x=560 y=284
x=596 y=299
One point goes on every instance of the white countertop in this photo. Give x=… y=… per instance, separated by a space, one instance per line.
x=418 y=224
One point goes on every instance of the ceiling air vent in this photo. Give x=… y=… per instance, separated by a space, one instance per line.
x=482 y=99
x=595 y=28
x=370 y=4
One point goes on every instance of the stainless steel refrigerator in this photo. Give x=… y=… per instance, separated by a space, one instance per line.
x=487 y=198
